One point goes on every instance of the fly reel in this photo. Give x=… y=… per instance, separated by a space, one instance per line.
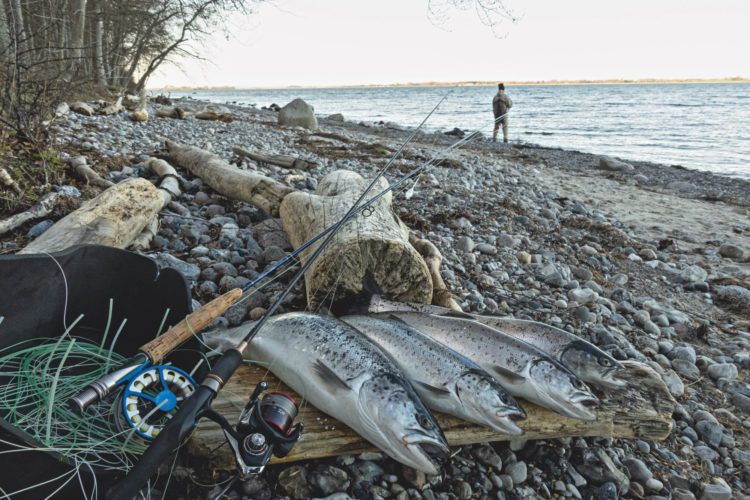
x=152 y=396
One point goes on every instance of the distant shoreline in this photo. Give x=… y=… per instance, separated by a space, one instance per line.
x=646 y=81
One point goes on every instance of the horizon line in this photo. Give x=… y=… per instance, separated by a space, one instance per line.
x=465 y=83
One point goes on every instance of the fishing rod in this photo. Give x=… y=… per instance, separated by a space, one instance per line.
x=257 y=435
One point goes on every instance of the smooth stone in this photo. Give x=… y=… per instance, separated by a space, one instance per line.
x=518 y=471
x=638 y=470
x=583 y=295
x=692 y=274
x=710 y=432
x=686 y=352
x=723 y=370
x=486 y=248
x=523 y=257
x=674 y=383
x=731 y=251
x=465 y=244
x=39 y=228
x=682 y=494
x=686 y=369
x=716 y=492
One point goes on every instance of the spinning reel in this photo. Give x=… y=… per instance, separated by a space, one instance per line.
x=264 y=429
x=151 y=396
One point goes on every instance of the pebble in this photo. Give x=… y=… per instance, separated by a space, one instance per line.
x=692 y=274
x=710 y=432
x=583 y=295
x=39 y=228
x=722 y=370
x=716 y=492
x=638 y=470
x=731 y=251
x=486 y=248
x=674 y=383
x=518 y=471
x=523 y=257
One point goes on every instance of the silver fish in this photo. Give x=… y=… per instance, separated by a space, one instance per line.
x=588 y=362
x=345 y=375
x=524 y=370
x=444 y=379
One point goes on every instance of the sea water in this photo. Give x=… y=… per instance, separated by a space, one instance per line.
x=700 y=126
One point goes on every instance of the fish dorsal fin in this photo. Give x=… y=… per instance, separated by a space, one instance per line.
x=438 y=391
x=329 y=377
x=457 y=314
x=508 y=375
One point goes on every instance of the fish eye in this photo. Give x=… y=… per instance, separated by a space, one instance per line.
x=424 y=422
x=578 y=384
x=606 y=362
x=504 y=399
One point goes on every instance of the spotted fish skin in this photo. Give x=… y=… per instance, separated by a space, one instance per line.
x=340 y=372
x=445 y=380
x=584 y=359
x=524 y=370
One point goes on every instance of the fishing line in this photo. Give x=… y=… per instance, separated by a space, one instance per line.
x=65 y=283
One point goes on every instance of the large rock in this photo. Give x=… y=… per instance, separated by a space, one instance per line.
x=734 y=297
x=611 y=164
x=298 y=114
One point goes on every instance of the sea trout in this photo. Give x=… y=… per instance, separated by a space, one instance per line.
x=524 y=370
x=343 y=374
x=584 y=359
x=444 y=379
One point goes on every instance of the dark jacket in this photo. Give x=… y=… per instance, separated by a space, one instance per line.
x=501 y=103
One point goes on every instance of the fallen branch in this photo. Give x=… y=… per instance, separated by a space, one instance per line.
x=642 y=410
x=7 y=180
x=263 y=192
x=41 y=208
x=78 y=164
x=169 y=187
x=284 y=161
x=114 y=218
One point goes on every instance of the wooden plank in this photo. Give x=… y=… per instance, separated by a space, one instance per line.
x=641 y=410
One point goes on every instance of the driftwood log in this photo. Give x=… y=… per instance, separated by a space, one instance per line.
x=41 y=208
x=114 y=218
x=441 y=296
x=79 y=166
x=284 y=161
x=7 y=180
x=169 y=187
x=263 y=192
x=642 y=410
x=170 y=112
x=374 y=243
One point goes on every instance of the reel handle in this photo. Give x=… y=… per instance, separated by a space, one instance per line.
x=194 y=322
x=183 y=422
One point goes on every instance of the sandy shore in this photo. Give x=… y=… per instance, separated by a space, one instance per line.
x=651 y=264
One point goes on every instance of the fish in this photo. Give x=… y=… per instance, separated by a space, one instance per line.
x=343 y=374
x=444 y=379
x=524 y=370
x=584 y=359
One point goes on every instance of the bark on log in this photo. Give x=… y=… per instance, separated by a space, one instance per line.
x=642 y=410
x=263 y=192
x=284 y=161
x=374 y=243
x=114 y=218
x=78 y=164
x=41 y=208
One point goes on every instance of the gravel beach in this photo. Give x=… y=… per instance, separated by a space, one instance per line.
x=649 y=262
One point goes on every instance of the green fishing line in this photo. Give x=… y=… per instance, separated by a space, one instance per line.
x=36 y=380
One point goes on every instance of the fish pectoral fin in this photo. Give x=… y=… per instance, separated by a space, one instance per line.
x=508 y=375
x=329 y=377
x=456 y=314
x=439 y=391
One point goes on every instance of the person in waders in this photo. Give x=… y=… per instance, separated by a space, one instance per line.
x=501 y=103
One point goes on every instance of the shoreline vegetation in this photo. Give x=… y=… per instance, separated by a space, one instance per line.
x=469 y=83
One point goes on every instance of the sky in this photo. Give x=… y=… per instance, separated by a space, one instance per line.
x=351 y=42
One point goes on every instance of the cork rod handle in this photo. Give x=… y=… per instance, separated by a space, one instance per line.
x=194 y=322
